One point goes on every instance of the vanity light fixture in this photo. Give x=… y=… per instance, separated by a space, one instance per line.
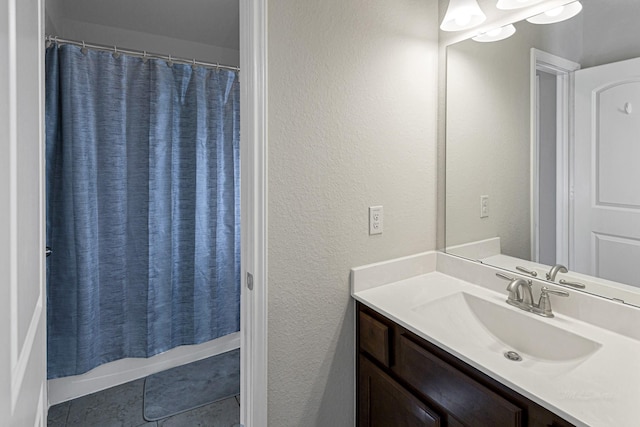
x=515 y=4
x=557 y=14
x=496 y=34
x=462 y=15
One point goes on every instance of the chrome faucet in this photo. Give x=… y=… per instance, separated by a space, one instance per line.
x=558 y=268
x=516 y=298
x=525 y=302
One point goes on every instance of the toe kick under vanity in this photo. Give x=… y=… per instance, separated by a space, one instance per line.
x=438 y=345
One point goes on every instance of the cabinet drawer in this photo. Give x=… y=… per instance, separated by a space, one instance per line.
x=459 y=395
x=374 y=338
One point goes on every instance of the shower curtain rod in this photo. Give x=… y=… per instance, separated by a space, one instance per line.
x=139 y=53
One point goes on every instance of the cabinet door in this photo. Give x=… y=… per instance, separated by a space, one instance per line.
x=383 y=403
x=458 y=394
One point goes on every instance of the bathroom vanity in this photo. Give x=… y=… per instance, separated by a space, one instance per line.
x=433 y=335
x=405 y=380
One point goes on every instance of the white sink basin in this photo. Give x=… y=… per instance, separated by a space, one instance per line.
x=478 y=324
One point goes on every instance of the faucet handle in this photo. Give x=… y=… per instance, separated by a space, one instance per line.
x=546 y=290
x=572 y=284
x=505 y=277
x=544 y=305
x=527 y=271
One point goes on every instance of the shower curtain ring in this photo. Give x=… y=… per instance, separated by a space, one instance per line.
x=115 y=55
x=144 y=57
x=170 y=62
x=84 y=48
x=193 y=64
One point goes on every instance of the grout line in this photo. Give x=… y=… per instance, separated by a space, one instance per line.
x=66 y=419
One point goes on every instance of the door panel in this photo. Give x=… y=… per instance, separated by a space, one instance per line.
x=615 y=140
x=615 y=254
x=22 y=297
x=606 y=215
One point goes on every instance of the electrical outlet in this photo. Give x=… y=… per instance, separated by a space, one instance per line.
x=484 y=206
x=375 y=220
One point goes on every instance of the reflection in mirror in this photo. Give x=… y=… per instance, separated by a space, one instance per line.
x=541 y=150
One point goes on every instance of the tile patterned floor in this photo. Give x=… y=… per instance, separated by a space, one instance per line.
x=122 y=406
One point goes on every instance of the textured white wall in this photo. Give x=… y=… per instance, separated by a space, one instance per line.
x=58 y=24
x=52 y=16
x=352 y=123
x=137 y=40
x=611 y=31
x=488 y=142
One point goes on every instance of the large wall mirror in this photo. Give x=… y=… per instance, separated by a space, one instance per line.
x=543 y=150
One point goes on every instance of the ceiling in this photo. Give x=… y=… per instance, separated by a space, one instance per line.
x=200 y=21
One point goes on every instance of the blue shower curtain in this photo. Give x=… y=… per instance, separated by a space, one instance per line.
x=143 y=207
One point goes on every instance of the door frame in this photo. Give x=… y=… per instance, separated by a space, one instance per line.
x=563 y=69
x=253 y=78
x=253 y=160
x=23 y=390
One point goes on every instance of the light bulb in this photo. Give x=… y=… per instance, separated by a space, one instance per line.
x=554 y=12
x=557 y=14
x=462 y=15
x=463 y=20
x=496 y=34
x=515 y=4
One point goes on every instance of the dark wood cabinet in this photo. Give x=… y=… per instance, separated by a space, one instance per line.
x=403 y=380
x=386 y=403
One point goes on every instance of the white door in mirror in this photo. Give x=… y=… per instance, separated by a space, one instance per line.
x=606 y=226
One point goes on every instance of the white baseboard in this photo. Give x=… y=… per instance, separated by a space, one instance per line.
x=125 y=370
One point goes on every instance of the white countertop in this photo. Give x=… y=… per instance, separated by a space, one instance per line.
x=600 y=390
